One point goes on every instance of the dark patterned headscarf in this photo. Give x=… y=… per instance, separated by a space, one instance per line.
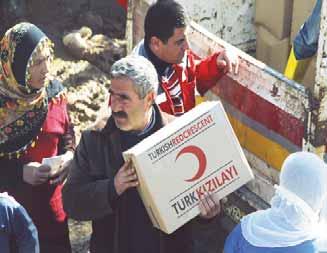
x=22 y=108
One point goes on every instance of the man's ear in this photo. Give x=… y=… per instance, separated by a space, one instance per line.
x=155 y=44
x=150 y=98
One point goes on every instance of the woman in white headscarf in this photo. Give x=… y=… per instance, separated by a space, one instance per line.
x=295 y=222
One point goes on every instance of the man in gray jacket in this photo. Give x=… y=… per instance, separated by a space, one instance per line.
x=101 y=186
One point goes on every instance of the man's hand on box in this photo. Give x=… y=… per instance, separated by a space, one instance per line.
x=61 y=174
x=125 y=178
x=35 y=173
x=208 y=207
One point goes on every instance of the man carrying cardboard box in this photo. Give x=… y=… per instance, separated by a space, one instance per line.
x=101 y=187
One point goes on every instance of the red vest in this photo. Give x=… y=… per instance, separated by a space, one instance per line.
x=193 y=72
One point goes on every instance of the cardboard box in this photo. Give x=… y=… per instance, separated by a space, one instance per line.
x=196 y=153
x=301 y=11
x=275 y=16
x=272 y=51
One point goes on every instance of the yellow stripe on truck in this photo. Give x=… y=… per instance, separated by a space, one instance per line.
x=264 y=148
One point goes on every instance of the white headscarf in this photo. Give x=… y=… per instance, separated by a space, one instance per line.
x=296 y=214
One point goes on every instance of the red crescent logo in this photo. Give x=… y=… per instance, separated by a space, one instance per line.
x=201 y=158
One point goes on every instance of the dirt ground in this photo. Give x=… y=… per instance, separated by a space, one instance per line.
x=86 y=83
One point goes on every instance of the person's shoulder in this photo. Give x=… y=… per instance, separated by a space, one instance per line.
x=304 y=247
x=139 y=49
x=233 y=240
x=54 y=88
x=89 y=143
x=7 y=201
x=236 y=232
x=89 y=136
x=307 y=247
x=93 y=138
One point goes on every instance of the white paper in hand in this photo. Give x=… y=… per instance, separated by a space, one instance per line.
x=53 y=162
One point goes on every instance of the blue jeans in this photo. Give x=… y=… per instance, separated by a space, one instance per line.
x=305 y=43
x=17 y=231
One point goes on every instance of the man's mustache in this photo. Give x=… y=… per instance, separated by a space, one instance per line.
x=120 y=114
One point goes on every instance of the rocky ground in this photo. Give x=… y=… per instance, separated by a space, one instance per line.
x=80 y=234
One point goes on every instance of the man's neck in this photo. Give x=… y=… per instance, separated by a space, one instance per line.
x=131 y=138
x=149 y=122
x=159 y=64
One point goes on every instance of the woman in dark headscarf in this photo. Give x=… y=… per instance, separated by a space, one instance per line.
x=34 y=124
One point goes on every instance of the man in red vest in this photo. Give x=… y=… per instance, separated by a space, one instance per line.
x=179 y=70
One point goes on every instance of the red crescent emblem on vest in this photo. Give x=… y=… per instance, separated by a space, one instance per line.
x=199 y=154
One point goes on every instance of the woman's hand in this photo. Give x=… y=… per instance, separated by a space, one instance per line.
x=35 y=173
x=62 y=173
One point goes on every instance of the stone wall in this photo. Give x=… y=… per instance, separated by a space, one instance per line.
x=231 y=20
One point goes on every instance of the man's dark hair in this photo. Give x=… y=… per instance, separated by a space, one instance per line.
x=162 y=18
